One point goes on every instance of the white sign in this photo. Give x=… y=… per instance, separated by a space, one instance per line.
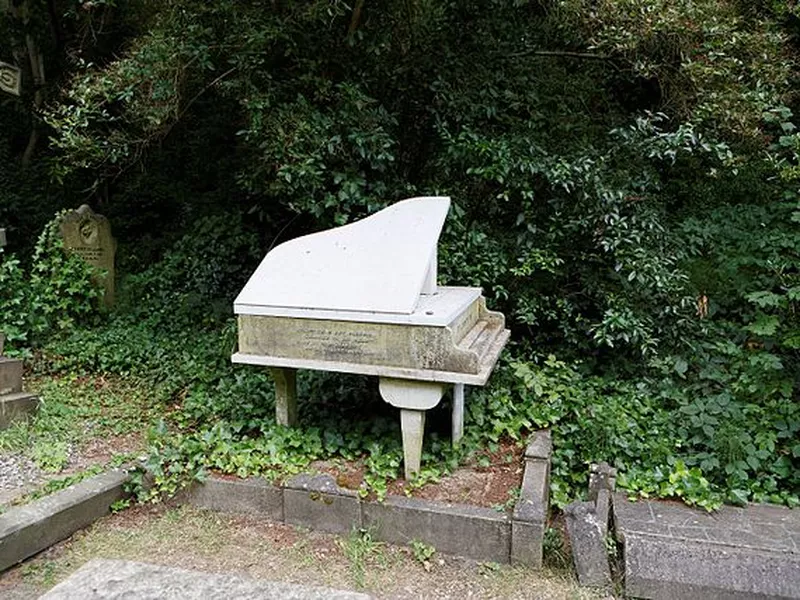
x=9 y=78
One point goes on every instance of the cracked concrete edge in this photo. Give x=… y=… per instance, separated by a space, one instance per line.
x=28 y=529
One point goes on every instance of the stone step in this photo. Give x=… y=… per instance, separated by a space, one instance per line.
x=10 y=375
x=16 y=406
x=118 y=579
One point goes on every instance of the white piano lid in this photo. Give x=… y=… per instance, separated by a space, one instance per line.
x=378 y=264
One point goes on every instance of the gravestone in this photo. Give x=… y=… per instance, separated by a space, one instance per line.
x=88 y=235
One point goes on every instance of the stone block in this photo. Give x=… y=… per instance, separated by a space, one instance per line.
x=315 y=501
x=117 y=579
x=527 y=543
x=670 y=569
x=10 y=375
x=15 y=407
x=470 y=531
x=28 y=529
x=540 y=446
x=251 y=496
x=588 y=542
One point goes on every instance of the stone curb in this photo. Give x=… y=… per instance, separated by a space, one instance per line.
x=317 y=502
x=29 y=529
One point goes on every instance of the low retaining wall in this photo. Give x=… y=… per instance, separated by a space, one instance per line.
x=29 y=529
x=317 y=502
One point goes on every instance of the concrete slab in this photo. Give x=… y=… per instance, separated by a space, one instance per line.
x=249 y=496
x=316 y=501
x=470 y=531
x=119 y=579
x=28 y=529
x=672 y=569
x=674 y=551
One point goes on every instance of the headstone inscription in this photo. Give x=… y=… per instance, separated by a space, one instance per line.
x=88 y=235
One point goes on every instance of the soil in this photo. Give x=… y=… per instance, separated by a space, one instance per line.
x=492 y=486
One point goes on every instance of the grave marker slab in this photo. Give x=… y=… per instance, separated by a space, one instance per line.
x=88 y=235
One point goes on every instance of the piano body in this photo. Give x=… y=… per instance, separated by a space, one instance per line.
x=363 y=298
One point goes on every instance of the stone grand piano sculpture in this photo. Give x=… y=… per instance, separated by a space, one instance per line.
x=363 y=298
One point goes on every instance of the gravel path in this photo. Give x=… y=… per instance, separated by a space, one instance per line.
x=18 y=474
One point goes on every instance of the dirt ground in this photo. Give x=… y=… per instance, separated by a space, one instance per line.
x=189 y=538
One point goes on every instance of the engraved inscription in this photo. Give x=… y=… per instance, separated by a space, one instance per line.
x=337 y=344
x=91 y=255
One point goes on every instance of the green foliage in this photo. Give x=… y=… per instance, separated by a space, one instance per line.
x=623 y=177
x=59 y=292
x=422 y=552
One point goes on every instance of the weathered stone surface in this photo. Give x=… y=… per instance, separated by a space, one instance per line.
x=540 y=446
x=118 y=580
x=10 y=375
x=527 y=543
x=15 y=407
x=529 y=520
x=587 y=539
x=28 y=529
x=473 y=532
x=88 y=235
x=764 y=527
x=317 y=502
x=674 y=551
x=674 y=569
x=251 y=496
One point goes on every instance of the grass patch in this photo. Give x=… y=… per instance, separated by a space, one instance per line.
x=77 y=412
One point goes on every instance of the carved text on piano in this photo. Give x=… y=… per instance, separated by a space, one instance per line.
x=338 y=343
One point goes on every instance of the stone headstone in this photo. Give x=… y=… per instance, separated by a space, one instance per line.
x=88 y=235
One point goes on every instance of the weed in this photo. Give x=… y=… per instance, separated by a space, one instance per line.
x=362 y=550
x=423 y=553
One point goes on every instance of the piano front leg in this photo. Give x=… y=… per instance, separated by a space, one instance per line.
x=413 y=398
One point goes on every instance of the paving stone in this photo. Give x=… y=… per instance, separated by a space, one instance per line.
x=124 y=580
x=587 y=539
x=470 y=531
x=251 y=496
x=316 y=501
x=669 y=569
x=28 y=529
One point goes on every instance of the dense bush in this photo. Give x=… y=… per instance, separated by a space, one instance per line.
x=624 y=182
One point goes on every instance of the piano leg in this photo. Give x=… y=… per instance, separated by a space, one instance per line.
x=458 y=413
x=413 y=398
x=412 y=422
x=285 y=395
